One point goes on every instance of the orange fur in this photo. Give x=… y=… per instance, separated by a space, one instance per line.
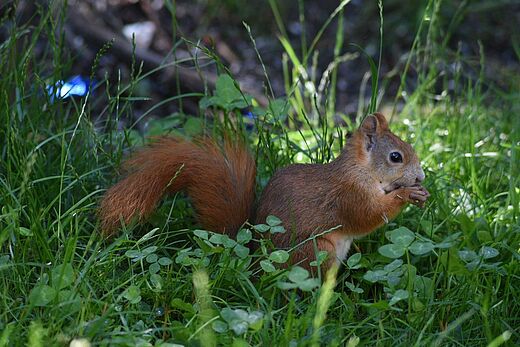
x=220 y=183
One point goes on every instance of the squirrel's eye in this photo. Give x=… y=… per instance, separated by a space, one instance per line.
x=396 y=157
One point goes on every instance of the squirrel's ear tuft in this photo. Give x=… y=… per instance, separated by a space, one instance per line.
x=382 y=123
x=371 y=126
x=374 y=124
x=369 y=130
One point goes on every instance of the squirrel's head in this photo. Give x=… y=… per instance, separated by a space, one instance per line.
x=390 y=160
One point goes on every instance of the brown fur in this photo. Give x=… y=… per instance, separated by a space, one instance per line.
x=355 y=194
x=220 y=183
x=347 y=192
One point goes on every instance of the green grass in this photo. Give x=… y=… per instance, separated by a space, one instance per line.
x=163 y=283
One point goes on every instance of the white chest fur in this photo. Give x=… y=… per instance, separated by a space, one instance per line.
x=342 y=246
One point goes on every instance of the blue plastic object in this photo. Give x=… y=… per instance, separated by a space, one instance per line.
x=74 y=86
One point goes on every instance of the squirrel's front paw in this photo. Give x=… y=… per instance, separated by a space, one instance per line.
x=416 y=194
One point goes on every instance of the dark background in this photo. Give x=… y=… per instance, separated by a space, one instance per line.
x=468 y=28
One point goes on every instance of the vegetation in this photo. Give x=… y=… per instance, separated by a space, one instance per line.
x=445 y=275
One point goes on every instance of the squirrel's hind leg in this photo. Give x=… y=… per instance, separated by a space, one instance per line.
x=307 y=253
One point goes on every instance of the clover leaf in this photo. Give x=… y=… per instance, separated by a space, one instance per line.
x=262 y=228
x=401 y=236
x=227 y=95
x=320 y=258
x=267 y=266
x=241 y=251
x=244 y=236
x=488 y=252
x=132 y=294
x=353 y=261
x=354 y=288
x=403 y=239
x=299 y=278
x=240 y=320
x=203 y=234
x=420 y=247
x=399 y=295
x=279 y=256
x=392 y=250
x=273 y=220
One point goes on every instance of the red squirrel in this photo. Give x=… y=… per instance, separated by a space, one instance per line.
x=368 y=184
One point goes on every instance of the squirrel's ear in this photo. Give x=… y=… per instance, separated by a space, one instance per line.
x=374 y=124
x=381 y=120
x=371 y=126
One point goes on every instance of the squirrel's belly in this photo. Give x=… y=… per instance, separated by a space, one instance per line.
x=342 y=246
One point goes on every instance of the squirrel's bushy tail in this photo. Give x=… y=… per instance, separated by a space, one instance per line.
x=220 y=180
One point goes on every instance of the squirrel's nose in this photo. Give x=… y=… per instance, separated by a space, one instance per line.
x=420 y=176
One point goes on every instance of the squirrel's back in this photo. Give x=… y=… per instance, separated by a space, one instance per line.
x=220 y=181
